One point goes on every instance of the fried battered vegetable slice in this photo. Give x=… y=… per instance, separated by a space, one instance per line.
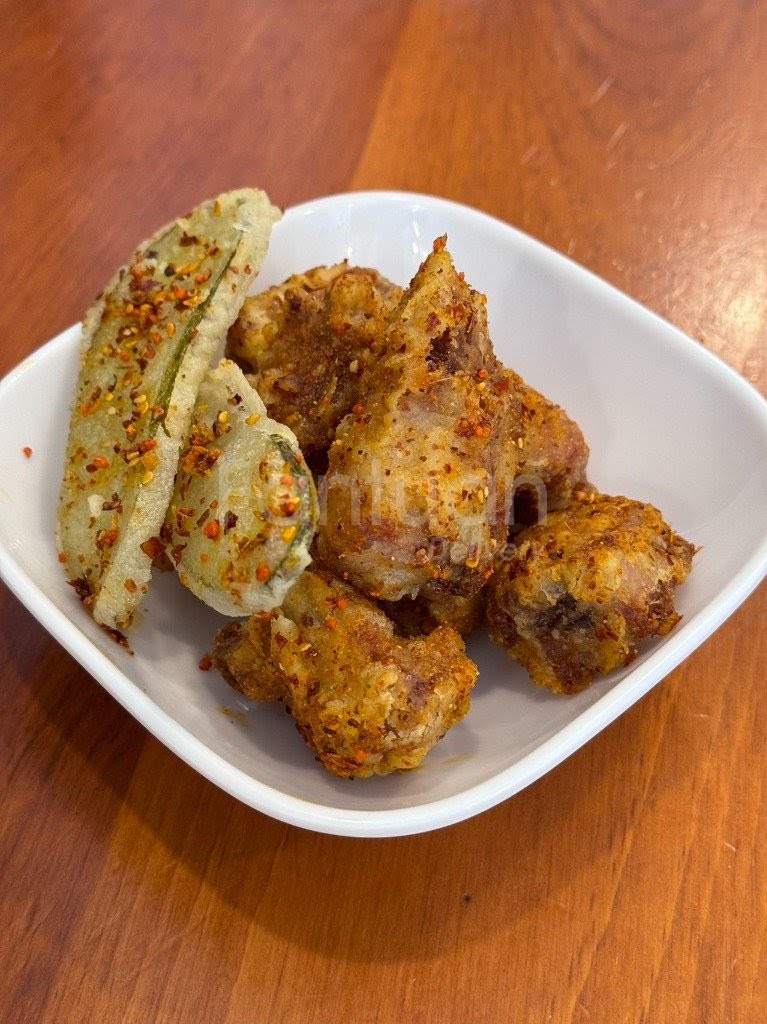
x=146 y=346
x=307 y=343
x=365 y=700
x=244 y=507
x=542 y=453
x=583 y=589
x=412 y=466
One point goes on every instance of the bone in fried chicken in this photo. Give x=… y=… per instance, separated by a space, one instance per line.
x=542 y=453
x=412 y=467
x=307 y=342
x=366 y=700
x=584 y=588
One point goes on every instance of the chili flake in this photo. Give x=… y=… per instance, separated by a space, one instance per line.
x=212 y=529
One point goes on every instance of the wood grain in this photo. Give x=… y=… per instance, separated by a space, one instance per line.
x=629 y=884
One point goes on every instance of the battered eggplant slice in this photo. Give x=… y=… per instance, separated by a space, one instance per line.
x=307 y=343
x=583 y=589
x=146 y=346
x=367 y=701
x=542 y=454
x=244 y=507
x=411 y=470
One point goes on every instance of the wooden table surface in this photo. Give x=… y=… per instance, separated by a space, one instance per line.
x=629 y=884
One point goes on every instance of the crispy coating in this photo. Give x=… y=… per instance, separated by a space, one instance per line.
x=411 y=468
x=584 y=588
x=307 y=342
x=365 y=700
x=542 y=454
x=242 y=656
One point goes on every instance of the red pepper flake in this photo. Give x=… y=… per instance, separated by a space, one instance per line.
x=360 y=756
x=130 y=586
x=118 y=637
x=176 y=552
x=206 y=663
x=280 y=640
x=27 y=452
x=358 y=409
x=230 y=521
x=201 y=278
x=82 y=588
x=105 y=539
x=439 y=243
x=212 y=529
x=263 y=572
x=147 y=446
x=341 y=603
x=153 y=547
x=97 y=462
x=63 y=558
x=330 y=622
x=482 y=374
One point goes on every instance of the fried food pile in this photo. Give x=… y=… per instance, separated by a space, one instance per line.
x=448 y=487
x=373 y=433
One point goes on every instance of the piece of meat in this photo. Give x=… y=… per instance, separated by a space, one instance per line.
x=307 y=342
x=406 y=498
x=579 y=592
x=366 y=700
x=542 y=454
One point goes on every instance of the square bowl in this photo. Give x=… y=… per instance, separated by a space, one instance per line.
x=667 y=421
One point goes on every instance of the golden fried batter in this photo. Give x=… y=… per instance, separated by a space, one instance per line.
x=242 y=656
x=584 y=588
x=542 y=453
x=365 y=700
x=411 y=468
x=306 y=343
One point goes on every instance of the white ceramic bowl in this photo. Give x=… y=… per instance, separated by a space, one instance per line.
x=667 y=423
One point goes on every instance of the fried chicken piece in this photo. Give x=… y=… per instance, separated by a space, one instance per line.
x=365 y=700
x=542 y=454
x=411 y=468
x=306 y=343
x=584 y=588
